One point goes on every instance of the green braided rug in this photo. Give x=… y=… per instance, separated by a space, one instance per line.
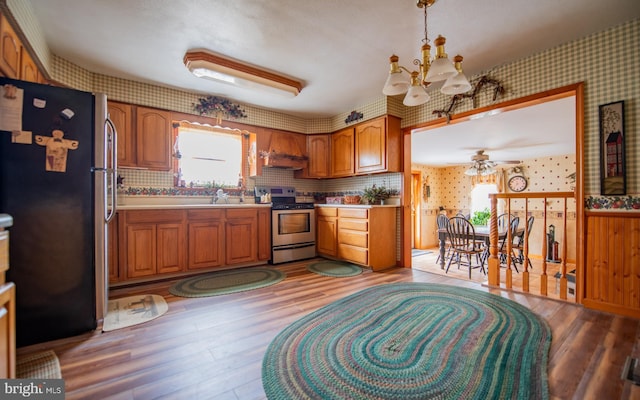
x=334 y=269
x=411 y=341
x=225 y=282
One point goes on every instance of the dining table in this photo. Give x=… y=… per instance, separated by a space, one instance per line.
x=481 y=233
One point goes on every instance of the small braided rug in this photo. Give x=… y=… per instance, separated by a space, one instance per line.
x=411 y=341
x=334 y=269
x=225 y=282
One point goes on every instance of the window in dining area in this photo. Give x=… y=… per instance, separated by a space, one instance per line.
x=480 y=196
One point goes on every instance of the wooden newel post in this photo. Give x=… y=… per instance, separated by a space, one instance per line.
x=494 y=261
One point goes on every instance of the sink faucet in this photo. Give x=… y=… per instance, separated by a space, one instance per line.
x=220 y=194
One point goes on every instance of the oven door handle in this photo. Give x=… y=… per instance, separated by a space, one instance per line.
x=294 y=246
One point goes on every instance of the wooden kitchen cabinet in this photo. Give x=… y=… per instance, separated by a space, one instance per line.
x=7 y=310
x=327 y=231
x=342 y=153
x=121 y=115
x=206 y=238
x=378 y=145
x=241 y=236
x=153 y=139
x=10 y=50
x=155 y=242
x=365 y=236
x=318 y=151
x=370 y=147
x=28 y=68
x=264 y=234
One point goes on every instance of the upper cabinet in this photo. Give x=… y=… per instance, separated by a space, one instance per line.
x=28 y=68
x=318 y=150
x=370 y=147
x=153 y=138
x=342 y=154
x=122 y=117
x=15 y=60
x=10 y=50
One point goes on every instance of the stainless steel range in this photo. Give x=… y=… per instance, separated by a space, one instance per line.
x=293 y=225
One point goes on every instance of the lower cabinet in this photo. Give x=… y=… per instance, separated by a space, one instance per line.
x=152 y=243
x=365 y=236
x=206 y=238
x=241 y=233
x=327 y=231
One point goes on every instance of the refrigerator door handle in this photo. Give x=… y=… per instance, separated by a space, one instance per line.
x=111 y=144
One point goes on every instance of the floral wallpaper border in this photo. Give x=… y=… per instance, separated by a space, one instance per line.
x=617 y=203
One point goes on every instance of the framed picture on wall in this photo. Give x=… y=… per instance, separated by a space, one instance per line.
x=612 y=138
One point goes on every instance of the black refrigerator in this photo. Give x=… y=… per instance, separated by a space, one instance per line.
x=55 y=181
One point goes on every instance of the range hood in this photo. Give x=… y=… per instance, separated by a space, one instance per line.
x=284 y=152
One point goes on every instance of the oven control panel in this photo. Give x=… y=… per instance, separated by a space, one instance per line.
x=276 y=192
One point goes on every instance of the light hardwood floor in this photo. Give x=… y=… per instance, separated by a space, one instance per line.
x=212 y=348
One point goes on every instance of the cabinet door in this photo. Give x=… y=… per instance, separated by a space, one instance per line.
x=241 y=232
x=264 y=234
x=28 y=68
x=206 y=244
x=318 y=150
x=170 y=248
x=9 y=50
x=121 y=116
x=141 y=250
x=153 y=139
x=371 y=146
x=326 y=238
x=8 y=331
x=342 y=153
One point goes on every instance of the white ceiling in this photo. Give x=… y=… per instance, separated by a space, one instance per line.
x=339 y=49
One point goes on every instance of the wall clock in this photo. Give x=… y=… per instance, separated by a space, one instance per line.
x=517 y=183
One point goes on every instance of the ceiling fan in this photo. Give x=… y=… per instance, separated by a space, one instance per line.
x=481 y=165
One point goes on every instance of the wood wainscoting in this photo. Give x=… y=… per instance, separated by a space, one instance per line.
x=612 y=262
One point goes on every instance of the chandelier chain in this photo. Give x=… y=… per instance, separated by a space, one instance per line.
x=426 y=35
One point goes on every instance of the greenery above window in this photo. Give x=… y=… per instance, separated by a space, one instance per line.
x=218 y=107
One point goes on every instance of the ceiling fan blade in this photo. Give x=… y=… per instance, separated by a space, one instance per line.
x=508 y=162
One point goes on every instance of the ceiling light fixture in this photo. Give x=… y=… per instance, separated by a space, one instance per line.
x=440 y=69
x=480 y=169
x=222 y=69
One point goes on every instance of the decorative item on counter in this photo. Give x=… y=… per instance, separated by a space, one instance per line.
x=334 y=200
x=354 y=116
x=219 y=107
x=57 y=148
x=352 y=199
x=120 y=181
x=377 y=195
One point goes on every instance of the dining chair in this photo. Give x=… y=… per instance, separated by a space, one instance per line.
x=443 y=223
x=464 y=244
x=518 y=244
x=503 y=243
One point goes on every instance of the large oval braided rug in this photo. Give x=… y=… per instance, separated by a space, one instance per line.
x=411 y=341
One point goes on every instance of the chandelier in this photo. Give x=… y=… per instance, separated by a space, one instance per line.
x=440 y=69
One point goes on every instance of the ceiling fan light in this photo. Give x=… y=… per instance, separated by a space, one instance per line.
x=471 y=171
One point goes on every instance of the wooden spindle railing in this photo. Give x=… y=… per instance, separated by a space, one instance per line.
x=494 y=273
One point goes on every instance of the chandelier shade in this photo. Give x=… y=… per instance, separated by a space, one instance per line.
x=440 y=69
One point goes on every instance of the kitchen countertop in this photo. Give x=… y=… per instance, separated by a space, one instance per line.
x=358 y=205
x=189 y=206
x=6 y=221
